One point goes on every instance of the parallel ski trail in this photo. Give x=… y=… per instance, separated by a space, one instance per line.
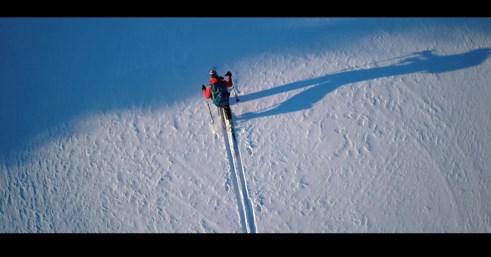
x=238 y=193
x=246 y=210
x=249 y=209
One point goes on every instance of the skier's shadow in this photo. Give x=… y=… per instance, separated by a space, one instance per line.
x=424 y=61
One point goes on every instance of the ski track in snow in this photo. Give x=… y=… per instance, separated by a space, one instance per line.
x=246 y=210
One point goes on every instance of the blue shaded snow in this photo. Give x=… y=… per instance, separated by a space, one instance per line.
x=54 y=70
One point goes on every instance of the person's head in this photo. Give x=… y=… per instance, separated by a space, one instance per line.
x=213 y=73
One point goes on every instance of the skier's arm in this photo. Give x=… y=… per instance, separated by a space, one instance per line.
x=228 y=79
x=206 y=91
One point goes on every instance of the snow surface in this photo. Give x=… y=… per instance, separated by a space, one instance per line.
x=344 y=125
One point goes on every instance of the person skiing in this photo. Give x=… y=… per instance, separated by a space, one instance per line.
x=219 y=91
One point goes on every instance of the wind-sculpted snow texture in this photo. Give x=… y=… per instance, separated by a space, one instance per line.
x=344 y=125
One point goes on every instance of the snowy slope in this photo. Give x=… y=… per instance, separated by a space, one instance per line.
x=344 y=125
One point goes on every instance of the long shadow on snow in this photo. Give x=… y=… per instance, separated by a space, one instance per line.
x=424 y=61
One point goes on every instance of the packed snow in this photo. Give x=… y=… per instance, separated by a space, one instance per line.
x=343 y=125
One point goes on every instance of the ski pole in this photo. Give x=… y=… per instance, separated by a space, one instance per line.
x=209 y=110
x=236 y=92
x=236 y=95
x=207 y=104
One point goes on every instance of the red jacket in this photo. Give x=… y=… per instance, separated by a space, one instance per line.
x=214 y=80
x=207 y=92
x=228 y=80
